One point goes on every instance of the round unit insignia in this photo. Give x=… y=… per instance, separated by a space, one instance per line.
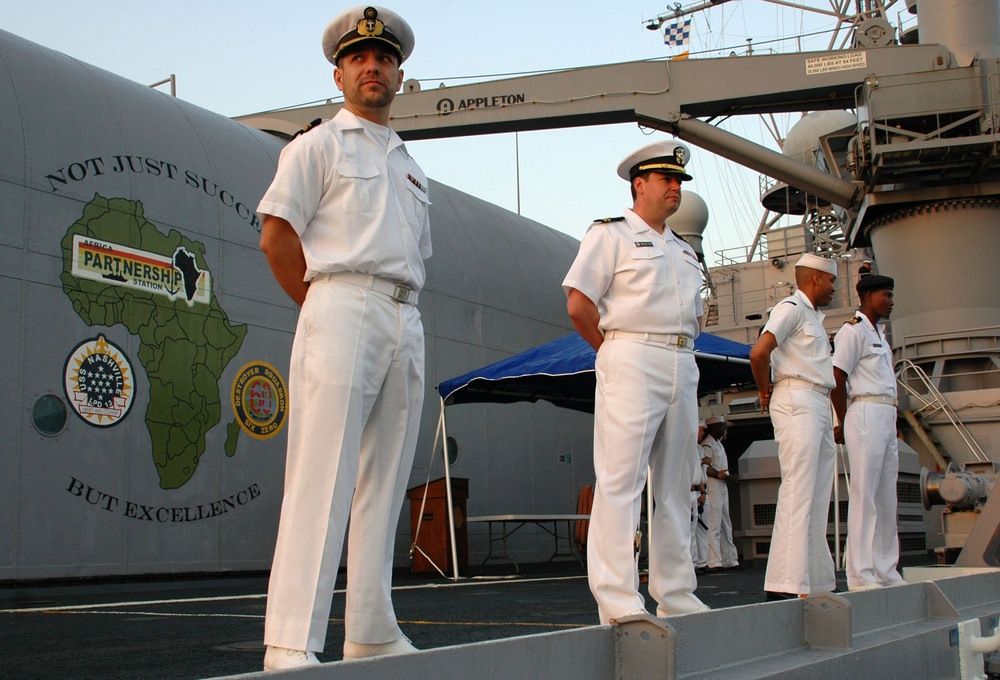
x=99 y=383
x=260 y=400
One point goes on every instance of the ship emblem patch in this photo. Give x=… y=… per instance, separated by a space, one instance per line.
x=260 y=400
x=99 y=382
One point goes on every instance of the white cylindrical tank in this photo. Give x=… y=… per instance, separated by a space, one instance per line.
x=690 y=220
x=802 y=141
x=969 y=28
x=943 y=257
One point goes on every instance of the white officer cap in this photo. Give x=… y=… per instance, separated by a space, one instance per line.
x=823 y=264
x=712 y=420
x=668 y=158
x=367 y=22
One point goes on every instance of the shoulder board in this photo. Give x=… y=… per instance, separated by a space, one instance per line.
x=679 y=237
x=605 y=220
x=853 y=320
x=306 y=128
x=789 y=302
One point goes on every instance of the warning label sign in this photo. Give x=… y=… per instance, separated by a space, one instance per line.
x=836 y=62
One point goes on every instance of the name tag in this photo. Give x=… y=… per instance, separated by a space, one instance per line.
x=643 y=244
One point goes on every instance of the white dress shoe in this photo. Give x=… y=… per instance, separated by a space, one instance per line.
x=871 y=585
x=364 y=650
x=280 y=658
x=682 y=603
x=633 y=613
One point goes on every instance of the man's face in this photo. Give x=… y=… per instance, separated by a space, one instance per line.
x=824 y=289
x=881 y=303
x=368 y=75
x=662 y=190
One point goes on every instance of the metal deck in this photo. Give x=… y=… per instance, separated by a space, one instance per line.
x=537 y=626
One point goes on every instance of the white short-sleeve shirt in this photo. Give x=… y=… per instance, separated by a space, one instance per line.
x=640 y=280
x=803 y=350
x=861 y=351
x=715 y=449
x=356 y=203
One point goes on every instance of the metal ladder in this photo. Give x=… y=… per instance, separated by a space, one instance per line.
x=932 y=402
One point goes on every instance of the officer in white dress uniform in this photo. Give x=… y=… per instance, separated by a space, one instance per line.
x=345 y=233
x=633 y=294
x=722 y=553
x=862 y=367
x=793 y=347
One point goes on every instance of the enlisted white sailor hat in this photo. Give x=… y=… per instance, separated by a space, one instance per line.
x=668 y=158
x=823 y=264
x=367 y=22
x=712 y=420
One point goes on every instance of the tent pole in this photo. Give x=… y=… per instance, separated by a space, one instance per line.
x=423 y=504
x=447 y=484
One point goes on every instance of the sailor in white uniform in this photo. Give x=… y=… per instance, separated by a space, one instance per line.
x=633 y=294
x=722 y=552
x=794 y=349
x=345 y=232
x=862 y=367
x=700 y=509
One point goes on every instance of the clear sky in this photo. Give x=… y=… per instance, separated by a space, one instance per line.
x=237 y=57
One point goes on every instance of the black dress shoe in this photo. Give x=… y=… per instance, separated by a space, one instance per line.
x=774 y=596
x=738 y=567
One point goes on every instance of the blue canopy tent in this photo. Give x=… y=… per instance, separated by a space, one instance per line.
x=562 y=372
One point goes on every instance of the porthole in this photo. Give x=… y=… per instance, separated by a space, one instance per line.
x=48 y=415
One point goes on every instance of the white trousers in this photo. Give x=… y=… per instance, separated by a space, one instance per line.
x=799 y=559
x=355 y=394
x=645 y=412
x=721 y=549
x=872 y=536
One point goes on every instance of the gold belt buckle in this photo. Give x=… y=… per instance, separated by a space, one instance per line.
x=682 y=341
x=401 y=293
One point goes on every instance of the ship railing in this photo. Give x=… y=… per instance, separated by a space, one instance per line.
x=732 y=257
x=932 y=402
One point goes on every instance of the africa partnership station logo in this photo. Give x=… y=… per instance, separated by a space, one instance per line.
x=260 y=400
x=99 y=382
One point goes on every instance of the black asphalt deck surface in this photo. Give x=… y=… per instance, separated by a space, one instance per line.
x=209 y=627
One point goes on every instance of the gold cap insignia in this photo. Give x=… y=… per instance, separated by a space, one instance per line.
x=370 y=25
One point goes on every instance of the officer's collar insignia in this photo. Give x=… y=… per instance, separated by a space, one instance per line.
x=371 y=25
